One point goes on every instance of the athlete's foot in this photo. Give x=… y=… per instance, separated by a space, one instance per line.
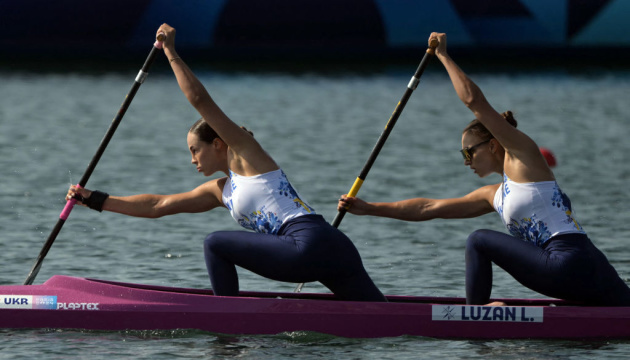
x=496 y=303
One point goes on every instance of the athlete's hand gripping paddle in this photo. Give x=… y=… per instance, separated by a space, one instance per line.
x=413 y=84
x=142 y=75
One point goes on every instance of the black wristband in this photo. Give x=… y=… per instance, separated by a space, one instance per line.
x=96 y=200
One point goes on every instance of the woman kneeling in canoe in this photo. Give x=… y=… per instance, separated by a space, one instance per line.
x=547 y=249
x=291 y=242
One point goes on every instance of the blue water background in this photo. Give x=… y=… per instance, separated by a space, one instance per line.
x=320 y=126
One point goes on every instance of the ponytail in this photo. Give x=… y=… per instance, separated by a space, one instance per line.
x=206 y=133
x=477 y=128
x=249 y=132
x=510 y=118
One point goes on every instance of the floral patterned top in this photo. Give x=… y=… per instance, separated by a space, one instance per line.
x=263 y=202
x=535 y=211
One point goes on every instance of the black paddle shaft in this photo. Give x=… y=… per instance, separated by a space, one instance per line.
x=142 y=75
x=413 y=84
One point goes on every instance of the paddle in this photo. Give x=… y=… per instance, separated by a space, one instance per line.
x=142 y=75
x=413 y=84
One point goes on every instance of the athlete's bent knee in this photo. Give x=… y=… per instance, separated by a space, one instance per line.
x=214 y=241
x=477 y=238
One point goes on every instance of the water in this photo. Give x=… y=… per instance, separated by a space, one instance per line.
x=320 y=127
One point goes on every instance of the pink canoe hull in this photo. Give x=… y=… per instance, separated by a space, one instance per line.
x=77 y=303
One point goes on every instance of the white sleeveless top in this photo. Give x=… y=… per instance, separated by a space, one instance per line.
x=535 y=211
x=263 y=202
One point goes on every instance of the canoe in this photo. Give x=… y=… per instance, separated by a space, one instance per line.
x=65 y=302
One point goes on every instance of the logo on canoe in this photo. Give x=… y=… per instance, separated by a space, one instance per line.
x=487 y=313
x=78 y=306
x=42 y=302
x=28 y=302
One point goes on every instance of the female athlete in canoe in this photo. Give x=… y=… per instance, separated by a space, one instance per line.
x=290 y=241
x=546 y=250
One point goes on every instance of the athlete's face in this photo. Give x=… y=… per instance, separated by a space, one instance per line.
x=205 y=156
x=477 y=154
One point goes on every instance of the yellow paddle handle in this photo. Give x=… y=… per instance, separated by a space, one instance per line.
x=355 y=187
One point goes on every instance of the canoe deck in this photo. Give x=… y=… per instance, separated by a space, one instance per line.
x=80 y=303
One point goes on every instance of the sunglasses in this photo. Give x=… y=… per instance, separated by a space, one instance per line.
x=468 y=152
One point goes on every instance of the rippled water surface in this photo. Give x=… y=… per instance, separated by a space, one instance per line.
x=320 y=127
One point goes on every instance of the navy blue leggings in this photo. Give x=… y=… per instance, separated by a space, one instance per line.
x=306 y=249
x=568 y=267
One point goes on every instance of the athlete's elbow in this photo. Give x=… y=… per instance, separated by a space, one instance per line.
x=473 y=96
x=471 y=100
x=195 y=100
x=158 y=209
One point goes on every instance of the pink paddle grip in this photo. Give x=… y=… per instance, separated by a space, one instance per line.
x=158 y=42
x=68 y=208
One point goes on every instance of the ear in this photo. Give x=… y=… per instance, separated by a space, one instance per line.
x=493 y=145
x=218 y=143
